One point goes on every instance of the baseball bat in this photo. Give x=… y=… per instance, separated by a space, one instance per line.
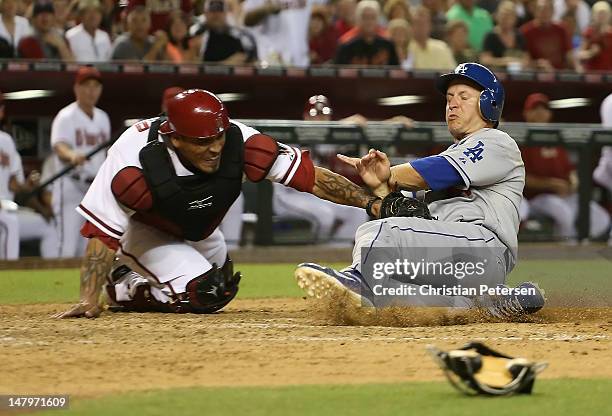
x=22 y=198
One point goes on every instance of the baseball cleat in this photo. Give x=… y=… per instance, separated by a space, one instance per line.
x=321 y=282
x=515 y=305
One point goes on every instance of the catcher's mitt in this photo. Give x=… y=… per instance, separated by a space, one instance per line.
x=476 y=369
x=397 y=204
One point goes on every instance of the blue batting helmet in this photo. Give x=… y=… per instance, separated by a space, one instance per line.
x=492 y=96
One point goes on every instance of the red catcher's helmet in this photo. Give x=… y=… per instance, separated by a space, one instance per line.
x=195 y=113
x=317 y=105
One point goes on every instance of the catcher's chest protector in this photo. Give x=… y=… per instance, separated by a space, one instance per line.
x=193 y=205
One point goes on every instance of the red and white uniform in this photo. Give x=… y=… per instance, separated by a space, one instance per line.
x=603 y=172
x=168 y=261
x=23 y=224
x=83 y=134
x=554 y=162
x=10 y=165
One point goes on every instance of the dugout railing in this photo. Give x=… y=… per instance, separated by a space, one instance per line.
x=584 y=139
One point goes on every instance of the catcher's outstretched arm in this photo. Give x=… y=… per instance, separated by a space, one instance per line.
x=406 y=176
x=95 y=268
x=336 y=188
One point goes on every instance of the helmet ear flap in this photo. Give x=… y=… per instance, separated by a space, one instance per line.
x=489 y=107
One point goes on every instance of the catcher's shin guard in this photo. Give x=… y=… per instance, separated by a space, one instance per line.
x=210 y=291
x=476 y=369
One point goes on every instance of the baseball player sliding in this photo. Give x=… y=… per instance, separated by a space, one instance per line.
x=485 y=175
x=160 y=195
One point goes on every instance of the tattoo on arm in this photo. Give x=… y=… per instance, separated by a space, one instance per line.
x=336 y=188
x=95 y=268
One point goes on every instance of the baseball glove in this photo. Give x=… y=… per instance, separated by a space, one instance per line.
x=397 y=204
x=476 y=369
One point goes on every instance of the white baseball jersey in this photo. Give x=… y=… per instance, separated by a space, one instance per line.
x=82 y=133
x=284 y=34
x=603 y=172
x=490 y=164
x=99 y=205
x=87 y=48
x=10 y=165
x=24 y=224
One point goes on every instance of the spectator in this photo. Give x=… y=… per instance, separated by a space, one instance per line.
x=396 y=9
x=437 y=11
x=478 y=21
x=401 y=34
x=577 y=8
x=596 y=49
x=603 y=172
x=24 y=7
x=525 y=10
x=368 y=48
x=160 y=10
x=64 y=19
x=12 y=27
x=217 y=41
x=457 y=40
x=136 y=44
x=45 y=42
x=322 y=37
x=180 y=47
x=111 y=17
x=547 y=42
x=489 y=5
x=504 y=46
x=281 y=29
x=345 y=16
x=233 y=11
x=568 y=21
x=551 y=181
x=87 y=42
x=428 y=53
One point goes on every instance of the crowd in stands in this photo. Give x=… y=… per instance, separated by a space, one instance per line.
x=413 y=34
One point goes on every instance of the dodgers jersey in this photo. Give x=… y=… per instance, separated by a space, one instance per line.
x=489 y=162
x=99 y=205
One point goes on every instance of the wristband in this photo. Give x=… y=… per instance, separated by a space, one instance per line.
x=369 y=206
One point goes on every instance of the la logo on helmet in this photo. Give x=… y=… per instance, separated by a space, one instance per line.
x=461 y=69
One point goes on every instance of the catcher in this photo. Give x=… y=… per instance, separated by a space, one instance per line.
x=484 y=176
x=159 y=197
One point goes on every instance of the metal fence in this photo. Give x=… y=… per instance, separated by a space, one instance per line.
x=585 y=139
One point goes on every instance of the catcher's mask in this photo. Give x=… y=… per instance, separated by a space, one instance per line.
x=476 y=369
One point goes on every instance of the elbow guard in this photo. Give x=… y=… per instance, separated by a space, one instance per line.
x=260 y=153
x=304 y=177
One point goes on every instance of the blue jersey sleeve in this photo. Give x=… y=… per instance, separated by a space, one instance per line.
x=437 y=172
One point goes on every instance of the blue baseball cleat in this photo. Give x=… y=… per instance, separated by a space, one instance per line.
x=508 y=306
x=320 y=282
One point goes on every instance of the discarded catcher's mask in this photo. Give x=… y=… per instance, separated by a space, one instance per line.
x=477 y=369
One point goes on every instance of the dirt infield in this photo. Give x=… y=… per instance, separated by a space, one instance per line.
x=267 y=342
